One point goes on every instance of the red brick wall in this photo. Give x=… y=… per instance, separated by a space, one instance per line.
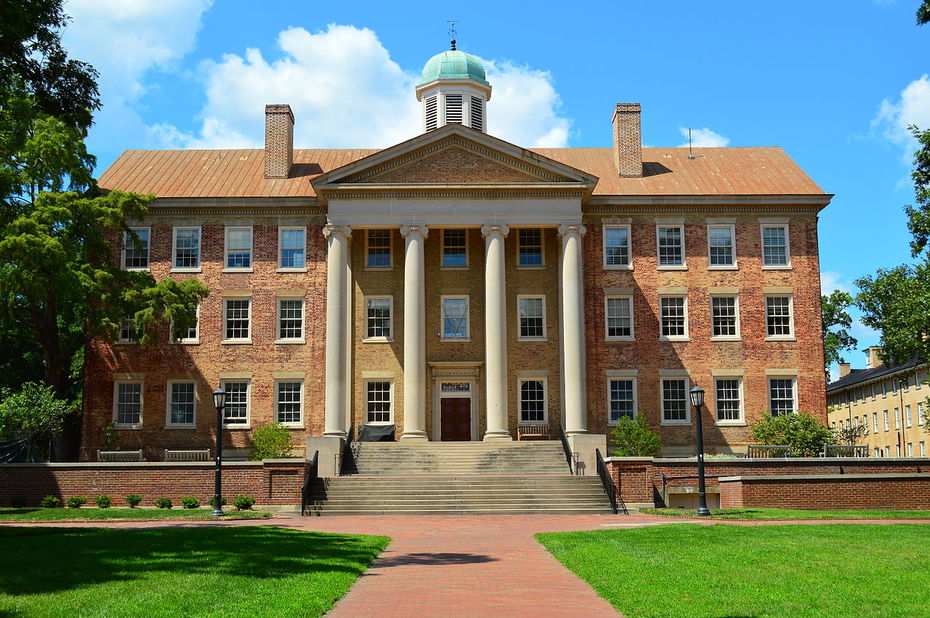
x=269 y=482
x=898 y=491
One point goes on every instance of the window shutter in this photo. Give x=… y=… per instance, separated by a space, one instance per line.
x=477 y=113
x=431 y=115
x=453 y=108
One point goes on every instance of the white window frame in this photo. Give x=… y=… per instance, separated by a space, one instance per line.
x=390 y=249
x=169 y=393
x=116 y=423
x=920 y=413
x=545 y=387
x=733 y=264
x=187 y=340
x=542 y=299
x=290 y=269
x=684 y=258
x=910 y=449
x=174 y=249
x=442 y=317
x=794 y=391
x=922 y=448
x=791 y=335
x=908 y=419
x=128 y=340
x=379 y=339
x=148 y=249
x=897 y=418
x=740 y=420
x=874 y=422
x=238 y=269
x=787 y=264
x=542 y=248
x=629 y=248
x=610 y=379
x=276 y=400
x=887 y=451
x=886 y=420
x=226 y=300
x=365 y=384
x=303 y=321
x=607 y=335
x=442 y=250
x=662 y=419
x=686 y=335
x=738 y=334
x=248 y=403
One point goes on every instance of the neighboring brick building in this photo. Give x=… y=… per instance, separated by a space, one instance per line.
x=458 y=286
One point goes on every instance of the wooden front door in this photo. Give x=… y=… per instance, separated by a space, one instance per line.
x=455 y=415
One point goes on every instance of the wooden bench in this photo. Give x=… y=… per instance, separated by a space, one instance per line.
x=179 y=456
x=533 y=431
x=119 y=455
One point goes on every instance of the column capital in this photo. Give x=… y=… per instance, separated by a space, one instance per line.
x=488 y=230
x=331 y=230
x=565 y=230
x=420 y=229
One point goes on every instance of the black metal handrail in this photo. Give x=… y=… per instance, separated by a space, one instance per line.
x=566 y=448
x=313 y=473
x=347 y=454
x=608 y=483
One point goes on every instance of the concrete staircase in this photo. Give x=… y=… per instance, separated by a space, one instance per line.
x=442 y=478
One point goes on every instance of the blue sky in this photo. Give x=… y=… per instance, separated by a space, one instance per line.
x=834 y=83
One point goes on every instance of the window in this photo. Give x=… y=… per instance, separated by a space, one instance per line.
x=186 y=248
x=192 y=334
x=621 y=399
x=128 y=332
x=674 y=317
x=379 y=402
x=923 y=448
x=878 y=452
x=454 y=249
x=618 y=317
x=291 y=319
x=920 y=413
x=724 y=317
x=675 y=405
x=616 y=246
x=671 y=244
x=237 y=314
x=907 y=416
x=874 y=422
x=378 y=248
x=431 y=112
x=887 y=451
x=378 y=321
x=238 y=248
x=778 y=319
x=292 y=248
x=181 y=403
x=729 y=400
x=136 y=250
x=885 y=416
x=289 y=402
x=897 y=450
x=721 y=250
x=530 y=247
x=455 y=317
x=897 y=418
x=236 y=411
x=477 y=113
x=127 y=404
x=910 y=449
x=533 y=401
x=781 y=396
x=532 y=316
x=775 y=246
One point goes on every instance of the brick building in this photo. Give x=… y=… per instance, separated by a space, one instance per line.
x=458 y=286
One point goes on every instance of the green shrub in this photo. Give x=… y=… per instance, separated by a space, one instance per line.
x=49 y=502
x=270 y=441
x=802 y=433
x=243 y=503
x=76 y=502
x=632 y=438
x=190 y=502
x=163 y=503
x=133 y=500
x=103 y=502
x=17 y=502
x=212 y=501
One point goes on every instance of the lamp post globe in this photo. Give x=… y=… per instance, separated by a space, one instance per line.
x=219 y=402
x=697 y=400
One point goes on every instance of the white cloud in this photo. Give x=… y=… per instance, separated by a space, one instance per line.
x=703 y=138
x=911 y=108
x=831 y=280
x=347 y=92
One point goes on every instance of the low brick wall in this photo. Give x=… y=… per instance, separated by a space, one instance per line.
x=272 y=482
x=829 y=491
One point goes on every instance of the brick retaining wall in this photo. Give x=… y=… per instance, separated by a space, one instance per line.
x=832 y=491
x=273 y=482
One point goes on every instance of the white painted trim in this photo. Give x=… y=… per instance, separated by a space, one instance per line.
x=684 y=257
x=365 y=337
x=390 y=264
x=442 y=318
x=762 y=226
x=303 y=321
x=174 y=249
x=607 y=335
x=291 y=269
x=629 y=247
x=126 y=240
x=741 y=421
x=238 y=269
x=614 y=378
x=442 y=249
x=794 y=390
x=542 y=249
x=276 y=401
x=686 y=336
x=545 y=383
x=248 y=401
x=662 y=420
x=738 y=335
x=365 y=382
x=734 y=264
x=116 y=384
x=792 y=336
x=247 y=339
x=168 y=400
x=545 y=331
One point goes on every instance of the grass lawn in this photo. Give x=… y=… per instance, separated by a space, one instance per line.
x=59 y=514
x=724 y=570
x=219 y=571
x=785 y=514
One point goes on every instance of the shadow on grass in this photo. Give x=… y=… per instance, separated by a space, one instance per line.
x=437 y=559
x=43 y=560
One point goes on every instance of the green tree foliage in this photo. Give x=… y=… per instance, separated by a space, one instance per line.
x=803 y=433
x=836 y=324
x=34 y=413
x=632 y=438
x=850 y=434
x=270 y=441
x=923 y=13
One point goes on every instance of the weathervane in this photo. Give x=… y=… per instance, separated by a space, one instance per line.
x=451 y=23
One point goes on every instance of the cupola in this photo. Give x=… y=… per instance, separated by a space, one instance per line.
x=454 y=88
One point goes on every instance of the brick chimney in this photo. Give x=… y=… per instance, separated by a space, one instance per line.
x=279 y=140
x=873 y=357
x=628 y=141
x=845 y=369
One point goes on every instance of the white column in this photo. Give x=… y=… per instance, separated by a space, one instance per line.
x=573 y=358
x=495 y=332
x=414 y=334
x=337 y=268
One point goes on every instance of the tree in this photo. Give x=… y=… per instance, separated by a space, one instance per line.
x=835 y=316
x=33 y=414
x=632 y=438
x=802 y=433
x=923 y=13
x=850 y=434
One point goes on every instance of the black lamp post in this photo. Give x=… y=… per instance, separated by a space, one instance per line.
x=697 y=400
x=219 y=402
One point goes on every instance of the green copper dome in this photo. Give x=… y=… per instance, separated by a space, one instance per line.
x=453 y=65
